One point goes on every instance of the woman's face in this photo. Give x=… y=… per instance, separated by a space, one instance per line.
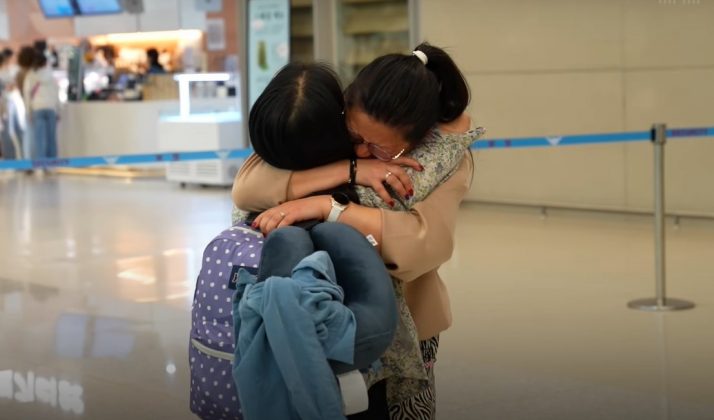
x=373 y=138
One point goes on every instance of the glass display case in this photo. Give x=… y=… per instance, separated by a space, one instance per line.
x=368 y=29
x=346 y=34
x=301 y=31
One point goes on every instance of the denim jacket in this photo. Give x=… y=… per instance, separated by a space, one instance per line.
x=286 y=330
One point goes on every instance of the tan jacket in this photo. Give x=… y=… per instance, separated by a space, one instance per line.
x=414 y=243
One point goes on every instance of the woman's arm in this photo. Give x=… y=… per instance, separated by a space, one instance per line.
x=308 y=181
x=411 y=243
x=418 y=241
x=367 y=220
x=259 y=186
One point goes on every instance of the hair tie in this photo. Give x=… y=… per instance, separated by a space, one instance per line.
x=421 y=56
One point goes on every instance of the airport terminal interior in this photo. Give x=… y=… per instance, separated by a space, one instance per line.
x=102 y=241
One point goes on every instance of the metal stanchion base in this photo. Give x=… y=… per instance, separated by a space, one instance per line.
x=651 y=305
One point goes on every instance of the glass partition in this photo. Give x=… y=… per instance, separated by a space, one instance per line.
x=301 y=31
x=368 y=29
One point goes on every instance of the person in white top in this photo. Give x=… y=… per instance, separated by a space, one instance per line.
x=12 y=109
x=41 y=94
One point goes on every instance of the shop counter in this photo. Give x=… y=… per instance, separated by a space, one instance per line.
x=198 y=132
x=117 y=128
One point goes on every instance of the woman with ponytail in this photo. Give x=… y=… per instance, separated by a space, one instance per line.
x=414 y=95
x=401 y=108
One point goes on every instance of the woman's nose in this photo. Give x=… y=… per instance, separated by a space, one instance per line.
x=362 y=151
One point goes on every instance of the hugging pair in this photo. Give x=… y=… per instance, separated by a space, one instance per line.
x=387 y=157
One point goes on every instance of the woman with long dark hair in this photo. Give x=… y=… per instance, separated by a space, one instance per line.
x=400 y=105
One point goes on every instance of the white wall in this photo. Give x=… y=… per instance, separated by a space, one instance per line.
x=541 y=67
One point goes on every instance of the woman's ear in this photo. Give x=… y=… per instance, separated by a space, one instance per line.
x=361 y=151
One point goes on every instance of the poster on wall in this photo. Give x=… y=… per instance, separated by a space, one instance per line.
x=268 y=42
x=4 y=21
x=215 y=34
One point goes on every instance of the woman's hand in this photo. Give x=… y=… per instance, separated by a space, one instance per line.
x=288 y=213
x=374 y=173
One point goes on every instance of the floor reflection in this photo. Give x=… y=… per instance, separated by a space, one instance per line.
x=26 y=387
x=95 y=291
x=97 y=276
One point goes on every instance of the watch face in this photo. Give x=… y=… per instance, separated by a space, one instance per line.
x=341 y=198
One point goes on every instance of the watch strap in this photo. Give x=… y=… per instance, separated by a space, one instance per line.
x=335 y=211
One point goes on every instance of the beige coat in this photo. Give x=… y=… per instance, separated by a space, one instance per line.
x=414 y=243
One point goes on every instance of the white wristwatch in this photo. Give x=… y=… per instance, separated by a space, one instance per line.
x=340 y=201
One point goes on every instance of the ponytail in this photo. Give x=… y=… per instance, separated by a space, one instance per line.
x=454 y=94
x=410 y=92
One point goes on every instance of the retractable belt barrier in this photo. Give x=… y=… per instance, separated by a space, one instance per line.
x=503 y=143
x=81 y=162
x=587 y=139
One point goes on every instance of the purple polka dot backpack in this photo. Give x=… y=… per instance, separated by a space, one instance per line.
x=213 y=392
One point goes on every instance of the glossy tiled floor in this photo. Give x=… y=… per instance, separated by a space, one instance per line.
x=96 y=277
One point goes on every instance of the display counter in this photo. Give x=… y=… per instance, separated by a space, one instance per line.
x=119 y=128
x=198 y=132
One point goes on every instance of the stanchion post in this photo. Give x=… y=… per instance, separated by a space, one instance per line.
x=660 y=302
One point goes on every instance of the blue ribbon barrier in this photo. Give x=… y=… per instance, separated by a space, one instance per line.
x=552 y=141
x=504 y=143
x=80 y=162
x=582 y=139
x=690 y=132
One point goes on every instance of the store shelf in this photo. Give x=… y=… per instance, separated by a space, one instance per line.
x=369 y=29
x=295 y=4
x=364 y=49
x=380 y=17
x=301 y=31
x=301 y=23
x=302 y=55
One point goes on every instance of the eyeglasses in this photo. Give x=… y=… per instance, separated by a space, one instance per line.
x=378 y=151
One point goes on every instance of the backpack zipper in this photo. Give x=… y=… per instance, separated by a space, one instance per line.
x=211 y=352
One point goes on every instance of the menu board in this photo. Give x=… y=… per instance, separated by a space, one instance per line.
x=4 y=21
x=268 y=42
x=57 y=8
x=99 y=7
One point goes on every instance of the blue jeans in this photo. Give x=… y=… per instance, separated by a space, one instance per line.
x=44 y=133
x=6 y=146
x=11 y=127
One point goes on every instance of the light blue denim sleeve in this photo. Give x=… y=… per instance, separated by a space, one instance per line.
x=287 y=326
